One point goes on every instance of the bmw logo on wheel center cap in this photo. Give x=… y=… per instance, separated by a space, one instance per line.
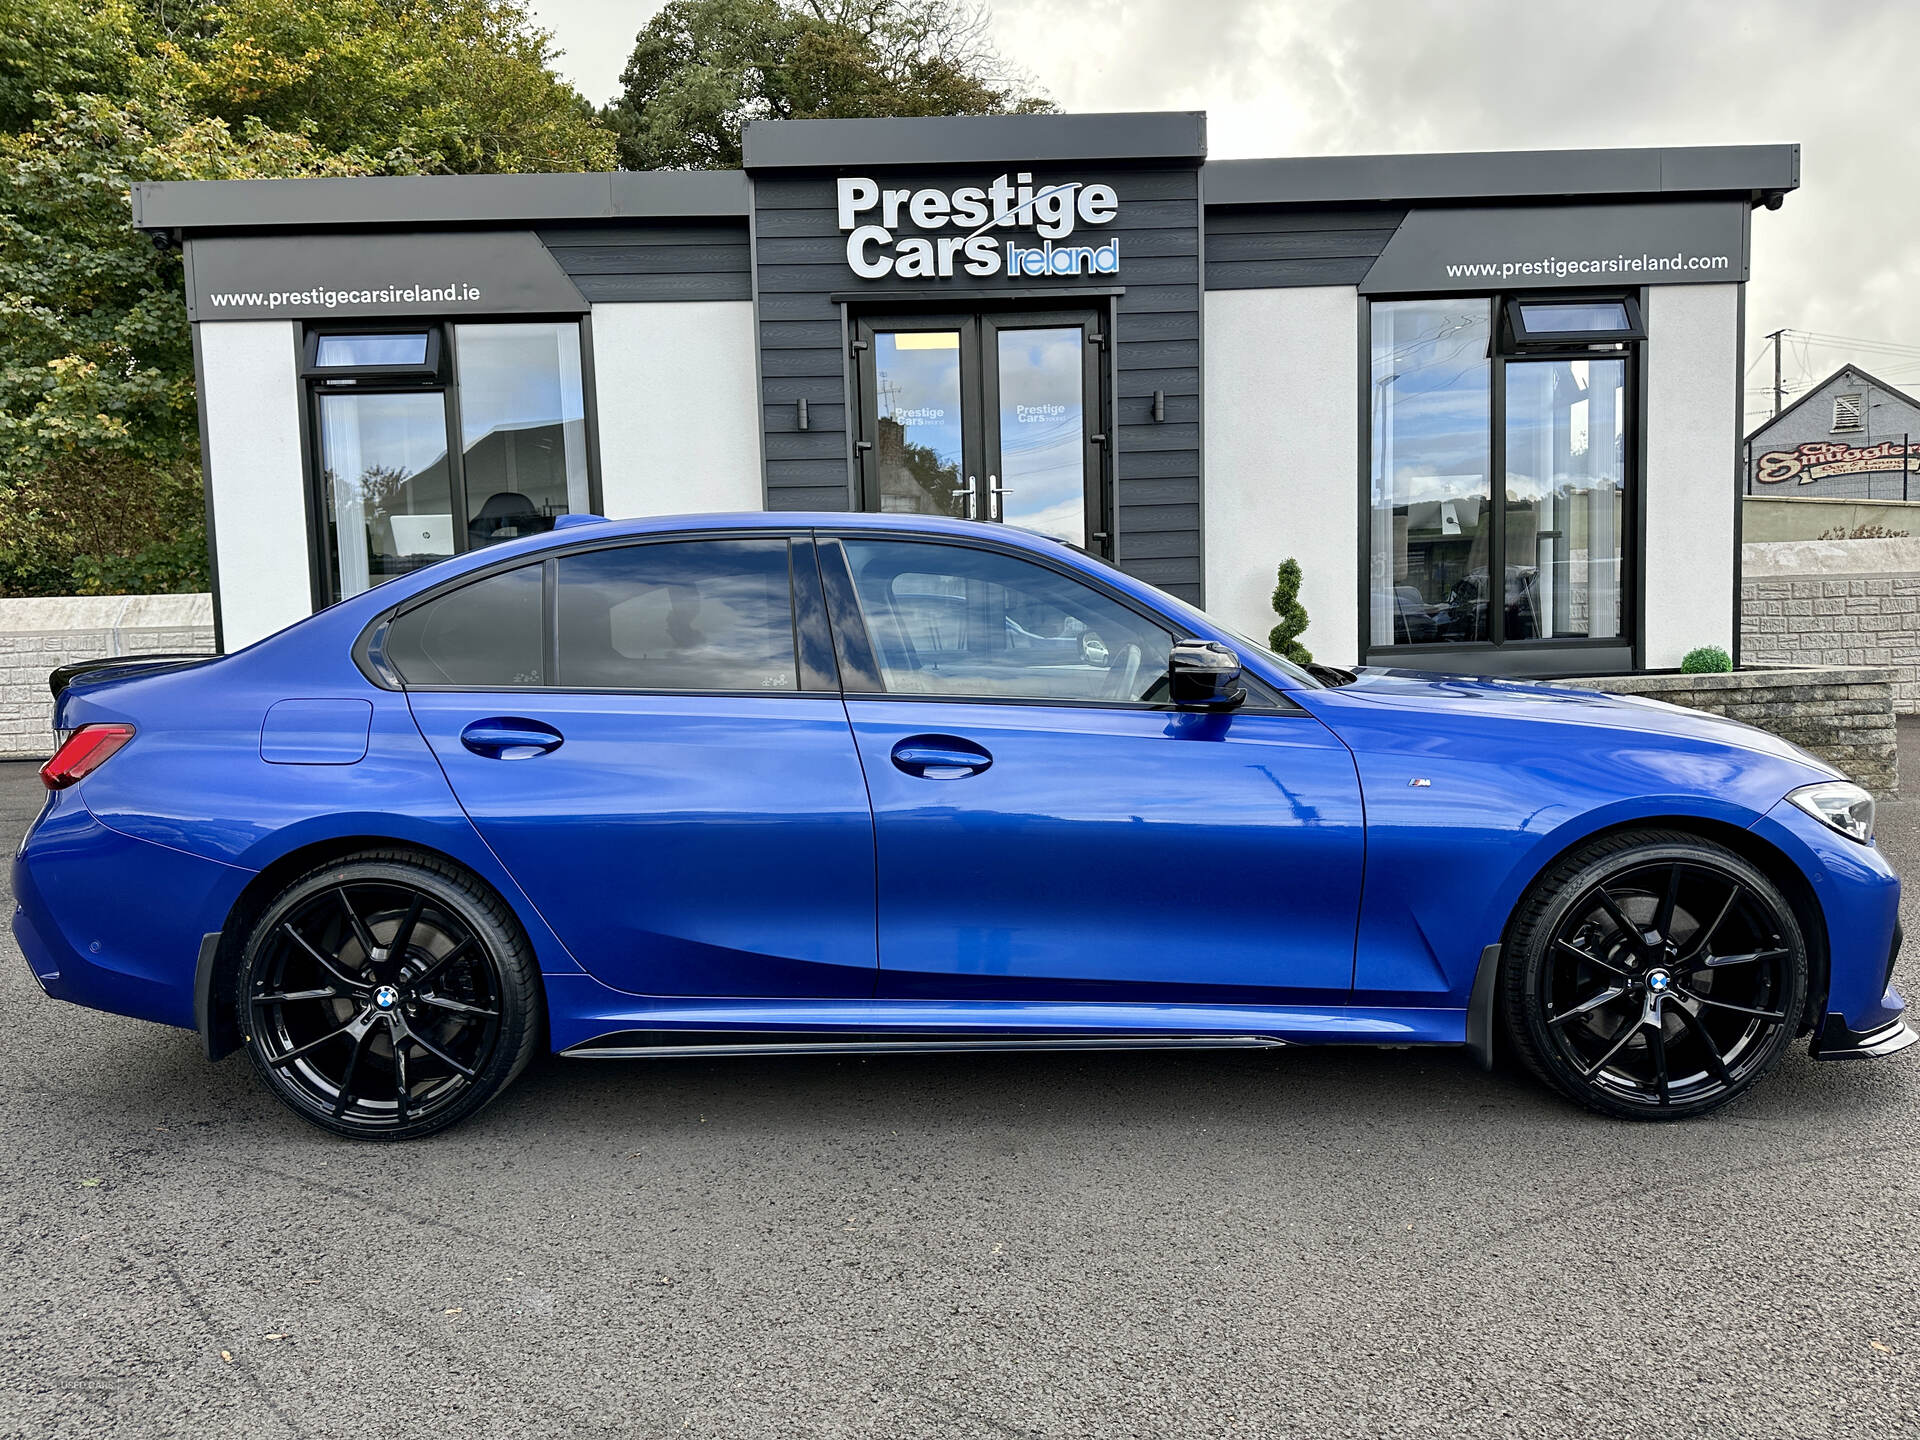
x=1658 y=980
x=386 y=997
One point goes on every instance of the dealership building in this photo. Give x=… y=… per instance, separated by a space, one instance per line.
x=1490 y=402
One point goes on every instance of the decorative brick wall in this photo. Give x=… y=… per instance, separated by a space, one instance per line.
x=37 y=636
x=1842 y=714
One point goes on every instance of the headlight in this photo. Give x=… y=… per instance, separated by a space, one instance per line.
x=1840 y=804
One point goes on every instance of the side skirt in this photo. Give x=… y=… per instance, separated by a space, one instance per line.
x=587 y=1018
x=668 y=1046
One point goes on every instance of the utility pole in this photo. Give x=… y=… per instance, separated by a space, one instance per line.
x=1775 y=337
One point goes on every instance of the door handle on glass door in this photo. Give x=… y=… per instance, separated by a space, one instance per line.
x=940 y=757
x=996 y=498
x=510 y=737
x=972 y=491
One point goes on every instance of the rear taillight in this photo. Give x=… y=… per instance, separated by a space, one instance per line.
x=86 y=750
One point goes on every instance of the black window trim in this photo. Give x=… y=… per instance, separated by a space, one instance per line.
x=425 y=373
x=367 y=657
x=1518 y=339
x=367 y=648
x=1581 y=345
x=443 y=378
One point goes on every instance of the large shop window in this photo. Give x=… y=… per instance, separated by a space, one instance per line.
x=436 y=440
x=1541 y=399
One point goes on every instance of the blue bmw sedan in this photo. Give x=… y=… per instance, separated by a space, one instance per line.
x=826 y=783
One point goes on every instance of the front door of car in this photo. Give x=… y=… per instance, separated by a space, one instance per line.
x=1047 y=827
x=650 y=737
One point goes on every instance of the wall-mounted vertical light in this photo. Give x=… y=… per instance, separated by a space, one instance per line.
x=800 y=413
x=1159 y=406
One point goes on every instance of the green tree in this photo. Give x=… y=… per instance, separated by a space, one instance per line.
x=702 y=68
x=99 y=445
x=1285 y=637
x=451 y=86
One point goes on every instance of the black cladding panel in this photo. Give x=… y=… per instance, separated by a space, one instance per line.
x=806 y=291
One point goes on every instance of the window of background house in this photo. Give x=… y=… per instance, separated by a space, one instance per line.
x=1515 y=531
x=398 y=488
x=523 y=429
x=1431 y=401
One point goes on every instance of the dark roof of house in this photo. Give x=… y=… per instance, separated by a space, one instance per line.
x=1813 y=390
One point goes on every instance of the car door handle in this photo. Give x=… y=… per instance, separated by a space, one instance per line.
x=940 y=757
x=510 y=738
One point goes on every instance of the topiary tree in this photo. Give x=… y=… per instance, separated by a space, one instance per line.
x=1285 y=637
x=1706 y=660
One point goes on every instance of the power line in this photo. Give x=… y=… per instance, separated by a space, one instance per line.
x=1805 y=340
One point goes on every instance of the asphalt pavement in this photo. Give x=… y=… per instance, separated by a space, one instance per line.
x=1297 y=1242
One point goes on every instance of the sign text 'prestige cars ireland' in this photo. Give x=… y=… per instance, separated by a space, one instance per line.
x=873 y=214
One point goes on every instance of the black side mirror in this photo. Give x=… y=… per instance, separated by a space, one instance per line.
x=1205 y=673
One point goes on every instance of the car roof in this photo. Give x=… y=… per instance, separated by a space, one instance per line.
x=587 y=530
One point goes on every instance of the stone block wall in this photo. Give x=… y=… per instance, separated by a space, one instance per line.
x=1842 y=714
x=1846 y=602
x=39 y=635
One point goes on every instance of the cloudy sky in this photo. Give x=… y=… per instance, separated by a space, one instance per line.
x=1371 y=76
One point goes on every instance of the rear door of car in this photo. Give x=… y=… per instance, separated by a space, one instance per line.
x=650 y=736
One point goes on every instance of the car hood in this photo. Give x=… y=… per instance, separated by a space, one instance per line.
x=1463 y=697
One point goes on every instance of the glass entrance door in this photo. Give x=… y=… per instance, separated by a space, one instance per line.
x=986 y=417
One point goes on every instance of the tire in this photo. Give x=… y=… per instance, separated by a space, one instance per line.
x=1652 y=975
x=378 y=1045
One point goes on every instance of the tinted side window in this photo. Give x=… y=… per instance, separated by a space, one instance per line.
x=685 y=615
x=486 y=634
x=946 y=620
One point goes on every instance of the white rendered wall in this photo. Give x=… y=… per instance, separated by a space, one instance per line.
x=677 y=390
x=251 y=390
x=1693 y=429
x=1282 y=447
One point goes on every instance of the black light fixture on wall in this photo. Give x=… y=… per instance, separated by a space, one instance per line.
x=1159 y=406
x=800 y=413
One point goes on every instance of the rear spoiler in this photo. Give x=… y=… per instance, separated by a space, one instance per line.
x=116 y=667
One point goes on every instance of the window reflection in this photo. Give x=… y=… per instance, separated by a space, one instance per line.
x=1566 y=468
x=917 y=440
x=706 y=615
x=1559 y=318
x=346 y=351
x=523 y=431
x=945 y=620
x=383 y=461
x=1432 y=470
x=1043 y=431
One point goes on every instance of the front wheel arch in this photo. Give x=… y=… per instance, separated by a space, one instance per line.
x=1613 y=967
x=1764 y=857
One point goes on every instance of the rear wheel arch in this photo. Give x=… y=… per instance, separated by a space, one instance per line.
x=220 y=1030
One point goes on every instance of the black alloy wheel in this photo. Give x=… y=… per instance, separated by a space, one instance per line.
x=1653 y=976
x=388 y=996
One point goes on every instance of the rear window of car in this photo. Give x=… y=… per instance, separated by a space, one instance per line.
x=708 y=615
x=486 y=635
